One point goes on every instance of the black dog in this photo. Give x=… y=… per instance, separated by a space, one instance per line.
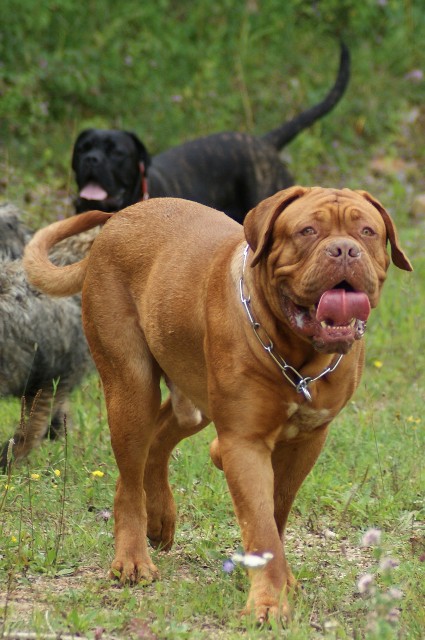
x=229 y=171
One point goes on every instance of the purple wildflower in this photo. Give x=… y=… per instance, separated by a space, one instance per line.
x=228 y=566
x=415 y=75
x=393 y=615
x=386 y=564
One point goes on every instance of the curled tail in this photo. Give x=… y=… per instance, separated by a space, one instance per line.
x=280 y=136
x=41 y=272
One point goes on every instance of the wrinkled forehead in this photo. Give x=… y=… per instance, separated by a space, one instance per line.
x=106 y=137
x=338 y=206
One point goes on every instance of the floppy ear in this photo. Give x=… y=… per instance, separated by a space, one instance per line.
x=398 y=256
x=142 y=151
x=80 y=137
x=258 y=223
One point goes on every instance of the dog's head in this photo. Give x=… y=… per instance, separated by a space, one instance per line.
x=108 y=166
x=324 y=252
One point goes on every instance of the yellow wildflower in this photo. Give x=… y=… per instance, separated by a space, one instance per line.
x=378 y=364
x=57 y=472
x=97 y=474
x=35 y=476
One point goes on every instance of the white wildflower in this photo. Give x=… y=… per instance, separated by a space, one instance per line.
x=371 y=538
x=252 y=561
x=395 y=594
x=365 y=582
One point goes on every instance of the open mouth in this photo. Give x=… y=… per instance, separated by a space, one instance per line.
x=335 y=321
x=93 y=191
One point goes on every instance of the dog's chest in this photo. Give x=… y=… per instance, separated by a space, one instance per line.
x=303 y=418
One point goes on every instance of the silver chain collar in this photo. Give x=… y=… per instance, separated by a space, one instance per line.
x=293 y=376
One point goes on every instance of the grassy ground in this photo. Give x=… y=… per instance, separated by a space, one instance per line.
x=195 y=70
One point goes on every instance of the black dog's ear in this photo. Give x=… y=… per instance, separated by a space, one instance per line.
x=82 y=134
x=79 y=139
x=143 y=152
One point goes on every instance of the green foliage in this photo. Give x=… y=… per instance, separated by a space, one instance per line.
x=174 y=70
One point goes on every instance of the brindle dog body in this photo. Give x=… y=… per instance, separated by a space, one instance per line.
x=166 y=293
x=230 y=171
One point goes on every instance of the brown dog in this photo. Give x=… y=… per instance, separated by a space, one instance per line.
x=249 y=338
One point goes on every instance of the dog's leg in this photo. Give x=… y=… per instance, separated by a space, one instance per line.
x=32 y=428
x=178 y=419
x=291 y=464
x=132 y=394
x=247 y=464
x=131 y=384
x=132 y=407
x=60 y=412
x=254 y=474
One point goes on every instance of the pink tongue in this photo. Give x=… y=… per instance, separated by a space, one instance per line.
x=93 y=191
x=340 y=307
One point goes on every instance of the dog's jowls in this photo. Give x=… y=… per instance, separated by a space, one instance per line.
x=229 y=171
x=43 y=350
x=166 y=293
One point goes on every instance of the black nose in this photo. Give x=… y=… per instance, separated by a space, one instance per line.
x=92 y=159
x=343 y=249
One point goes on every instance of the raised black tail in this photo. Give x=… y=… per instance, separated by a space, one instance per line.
x=280 y=136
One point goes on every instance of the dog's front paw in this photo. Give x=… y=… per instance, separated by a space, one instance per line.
x=133 y=571
x=266 y=603
x=266 y=608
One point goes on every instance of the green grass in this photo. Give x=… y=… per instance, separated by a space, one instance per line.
x=241 y=66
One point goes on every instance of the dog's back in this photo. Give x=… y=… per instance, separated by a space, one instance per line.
x=156 y=222
x=227 y=171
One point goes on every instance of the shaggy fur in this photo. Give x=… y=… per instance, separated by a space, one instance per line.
x=13 y=233
x=41 y=338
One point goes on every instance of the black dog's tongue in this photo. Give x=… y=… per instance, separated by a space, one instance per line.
x=339 y=306
x=93 y=191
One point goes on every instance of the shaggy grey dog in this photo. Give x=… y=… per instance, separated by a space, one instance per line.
x=13 y=233
x=43 y=350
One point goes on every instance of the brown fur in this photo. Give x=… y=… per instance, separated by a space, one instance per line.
x=161 y=298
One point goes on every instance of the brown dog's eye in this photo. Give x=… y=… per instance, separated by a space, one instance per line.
x=308 y=231
x=367 y=231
